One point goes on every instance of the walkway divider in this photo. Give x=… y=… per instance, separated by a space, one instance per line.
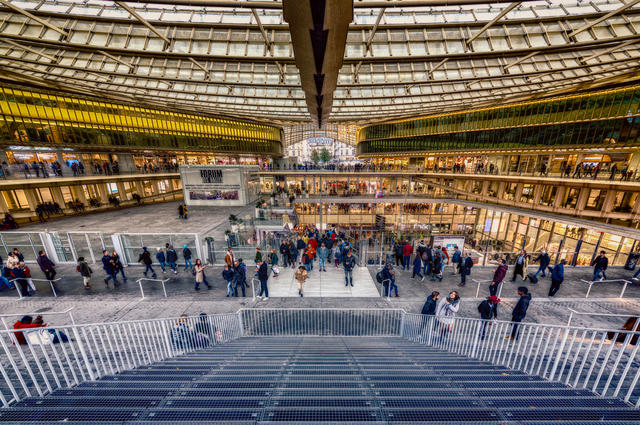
x=479 y=282
x=591 y=282
x=585 y=313
x=162 y=281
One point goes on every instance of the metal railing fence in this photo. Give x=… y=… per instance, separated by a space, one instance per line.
x=321 y=322
x=603 y=361
x=38 y=361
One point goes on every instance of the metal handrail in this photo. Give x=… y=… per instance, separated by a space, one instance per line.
x=48 y=313
x=585 y=313
x=163 y=281
x=592 y=282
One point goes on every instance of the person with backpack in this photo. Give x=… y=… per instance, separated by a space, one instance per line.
x=305 y=261
x=465 y=269
x=498 y=276
x=349 y=262
x=389 y=276
x=436 y=267
x=427 y=260
x=488 y=311
x=186 y=254
x=145 y=259
x=85 y=271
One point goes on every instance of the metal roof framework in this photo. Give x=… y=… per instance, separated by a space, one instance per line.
x=402 y=58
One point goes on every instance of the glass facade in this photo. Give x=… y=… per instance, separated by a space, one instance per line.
x=53 y=120
x=610 y=117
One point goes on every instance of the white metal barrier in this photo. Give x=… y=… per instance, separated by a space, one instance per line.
x=162 y=281
x=480 y=282
x=604 y=361
x=584 y=313
x=50 y=282
x=592 y=282
x=46 y=359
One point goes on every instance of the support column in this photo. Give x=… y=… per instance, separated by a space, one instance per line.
x=56 y=193
x=78 y=194
x=32 y=199
x=122 y=191
x=582 y=198
x=103 y=193
x=4 y=208
x=139 y=188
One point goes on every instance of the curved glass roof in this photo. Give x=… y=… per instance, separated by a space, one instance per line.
x=402 y=57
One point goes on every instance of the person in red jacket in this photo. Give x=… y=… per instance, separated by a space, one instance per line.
x=27 y=323
x=407 y=250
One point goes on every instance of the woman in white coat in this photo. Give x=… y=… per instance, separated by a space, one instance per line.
x=446 y=313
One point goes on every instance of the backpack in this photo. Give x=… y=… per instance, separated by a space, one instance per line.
x=379 y=277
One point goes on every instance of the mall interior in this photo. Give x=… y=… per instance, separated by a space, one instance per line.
x=227 y=128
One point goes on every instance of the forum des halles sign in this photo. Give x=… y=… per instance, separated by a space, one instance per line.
x=219 y=184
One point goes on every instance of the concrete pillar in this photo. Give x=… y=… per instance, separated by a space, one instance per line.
x=56 y=193
x=609 y=200
x=559 y=197
x=122 y=191
x=4 y=208
x=126 y=164
x=518 y=193
x=63 y=164
x=78 y=194
x=537 y=194
x=140 y=188
x=32 y=199
x=485 y=188
x=500 y=193
x=103 y=193
x=582 y=198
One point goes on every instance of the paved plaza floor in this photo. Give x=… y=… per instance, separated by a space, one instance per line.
x=324 y=284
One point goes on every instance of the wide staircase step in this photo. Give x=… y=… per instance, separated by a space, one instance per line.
x=321 y=380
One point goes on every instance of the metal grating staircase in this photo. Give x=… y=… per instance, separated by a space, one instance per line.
x=321 y=380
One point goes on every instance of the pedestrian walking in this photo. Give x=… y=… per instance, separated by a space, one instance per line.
x=407 y=250
x=47 y=266
x=498 y=276
x=186 y=254
x=117 y=264
x=293 y=254
x=465 y=269
x=519 y=311
x=180 y=211
x=229 y=257
x=521 y=265
x=557 y=277
x=198 y=272
x=488 y=311
x=600 y=264
x=417 y=268
x=172 y=259
x=300 y=246
x=109 y=269
x=239 y=277
x=301 y=277
x=262 y=272
x=85 y=271
x=227 y=276
x=455 y=260
x=162 y=260
x=145 y=260
x=544 y=261
x=323 y=254
x=258 y=257
x=349 y=263
x=389 y=277
x=284 y=253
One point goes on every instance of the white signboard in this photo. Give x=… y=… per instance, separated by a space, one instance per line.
x=449 y=241
x=219 y=185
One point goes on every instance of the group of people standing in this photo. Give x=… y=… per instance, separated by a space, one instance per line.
x=16 y=273
x=235 y=274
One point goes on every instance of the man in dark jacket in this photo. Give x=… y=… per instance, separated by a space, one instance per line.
x=388 y=277
x=465 y=268
x=263 y=275
x=498 y=276
x=519 y=311
x=109 y=268
x=600 y=264
x=488 y=311
x=429 y=307
x=284 y=253
x=544 y=260
x=397 y=249
x=172 y=258
x=145 y=259
x=300 y=246
x=239 y=277
x=557 y=276
x=349 y=262
x=47 y=266
x=293 y=254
